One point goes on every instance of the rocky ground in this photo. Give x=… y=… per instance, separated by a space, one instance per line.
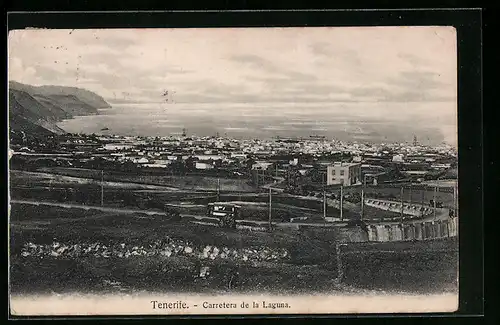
x=70 y=250
x=167 y=248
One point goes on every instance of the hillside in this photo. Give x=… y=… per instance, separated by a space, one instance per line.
x=25 y=105
x=28 y=115
x=71 y=104
x=91 y=99
x=34 y=111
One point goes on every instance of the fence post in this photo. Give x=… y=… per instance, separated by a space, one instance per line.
x=375 y=234
x=425 y=230
x=446 y=229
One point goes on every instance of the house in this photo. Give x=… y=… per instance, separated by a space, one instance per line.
x=398 y=158
x=262 y=165
x=117 y=146
x=203 y=165
x=154 y=165
x=163 y=162
x=141 y=161
x=209 y=157
x=344 y=173
x=238 y=155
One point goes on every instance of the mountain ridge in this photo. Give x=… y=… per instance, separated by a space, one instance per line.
x=86 y=96
x=35 y=110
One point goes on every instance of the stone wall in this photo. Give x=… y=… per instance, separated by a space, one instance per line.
x=413 y=231
x=415 y=210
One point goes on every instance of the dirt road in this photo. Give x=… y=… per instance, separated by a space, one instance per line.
x=197 y=217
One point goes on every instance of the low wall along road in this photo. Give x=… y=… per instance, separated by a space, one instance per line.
x=413 y=231
x=415 y=210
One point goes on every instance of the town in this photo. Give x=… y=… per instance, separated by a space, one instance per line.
x=310 y=163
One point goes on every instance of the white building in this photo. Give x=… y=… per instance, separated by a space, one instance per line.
x=209 y=157
x=154 y=165
x=262 y=165
x=202 y=165
x=344 y=173
x=141 y=161
x=238 y=155
x=117 y=146
x=398 y=158
x=441 y=166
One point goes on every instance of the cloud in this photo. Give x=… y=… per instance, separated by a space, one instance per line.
x=416 y=61
x=17 y=70
x=269 y=67
x=328 y=51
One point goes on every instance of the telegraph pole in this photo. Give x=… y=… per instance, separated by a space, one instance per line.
x=218 y=189
x=270 y=207
x=363 y=197
x=341 y=203
x=402 y=205
x=102 y=187
x=422 y=202
x=410 y=191
x=435 y=190
x=455 y=200
x=239 y=182
x=324 y=200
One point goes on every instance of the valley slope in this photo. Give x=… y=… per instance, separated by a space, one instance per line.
x=34 y=111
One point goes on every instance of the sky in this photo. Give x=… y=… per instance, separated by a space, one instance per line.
x=372 y=79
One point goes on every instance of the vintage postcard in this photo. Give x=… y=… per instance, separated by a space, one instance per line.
x=231 y=171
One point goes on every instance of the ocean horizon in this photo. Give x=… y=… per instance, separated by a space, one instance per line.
x=241 y=120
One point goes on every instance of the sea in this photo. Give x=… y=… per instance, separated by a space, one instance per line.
x=243 y=121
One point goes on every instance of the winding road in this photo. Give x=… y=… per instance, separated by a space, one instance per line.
x=441 y=214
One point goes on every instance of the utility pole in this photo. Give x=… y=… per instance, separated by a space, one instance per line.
x=402 y=205
x=270 y=207
x=435 y=190
x=455 y=200
x=363 y=197
x=324 y=201
x=410 y=191
x=239 y=182
x=422 y=202
x=102 y=187
x=218 y=189
x=341 y=203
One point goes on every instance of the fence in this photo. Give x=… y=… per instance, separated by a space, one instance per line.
x=408 y=209
x=426 y=187
x=414 y=231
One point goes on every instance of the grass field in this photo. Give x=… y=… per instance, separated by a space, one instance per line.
x=188 y=182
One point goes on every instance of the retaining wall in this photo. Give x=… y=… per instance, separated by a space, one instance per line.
x=415 y=210
x=413 y=231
